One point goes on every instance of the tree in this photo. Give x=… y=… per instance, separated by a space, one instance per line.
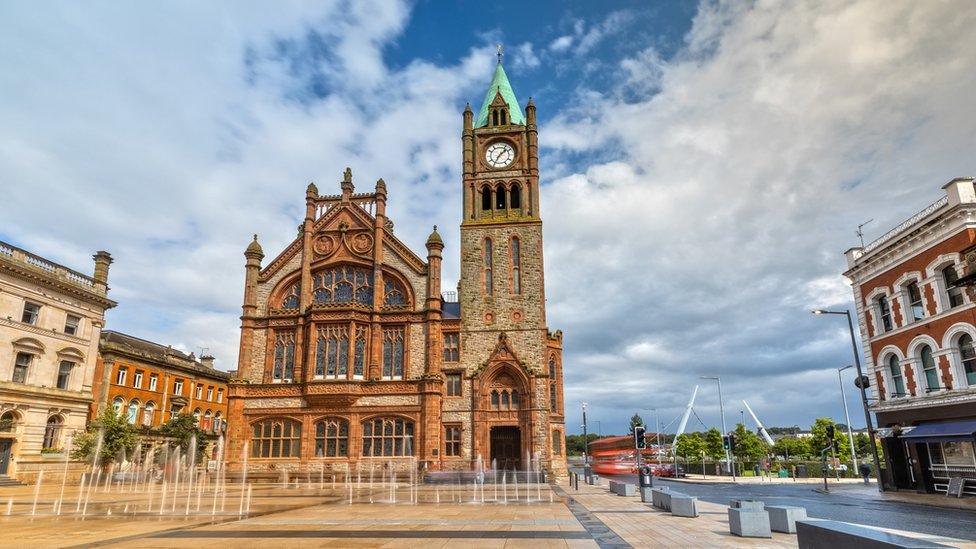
x=183 y=431
x=862 y=444
x=691 y=445
x=117 y=436
x=713 y=444
x=575 y=445
x=748 y=445
x=635 y=421
x=818 y=440
x=792 y=447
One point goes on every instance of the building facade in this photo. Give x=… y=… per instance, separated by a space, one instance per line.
x=150 y=384
x=51 y=318
x=917 y=314
x=351 y=356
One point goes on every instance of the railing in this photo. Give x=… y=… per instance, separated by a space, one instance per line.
x=905 y=225
x=449 y=297
x=12 y=253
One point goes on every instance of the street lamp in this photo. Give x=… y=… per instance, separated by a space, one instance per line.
x=586 y=445
x=863 y=387
x=850 y=432
x=721 y=409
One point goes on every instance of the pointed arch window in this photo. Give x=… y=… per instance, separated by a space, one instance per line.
x=489 y=281
x=393 y=293
x=516 y=265
x=332 y=352
x=500 y=197
x=896 y=376
x=486 y=198
x=284 y=358
x=494 y=117
x=515 y=196
x=292 y=298
x=332 y=438
x=393 y=353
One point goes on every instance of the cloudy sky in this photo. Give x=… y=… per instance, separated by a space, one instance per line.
x=704 y=166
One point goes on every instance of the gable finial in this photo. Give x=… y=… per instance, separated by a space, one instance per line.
x=500 y=52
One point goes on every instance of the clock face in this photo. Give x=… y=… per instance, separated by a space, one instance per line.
x=499 y=155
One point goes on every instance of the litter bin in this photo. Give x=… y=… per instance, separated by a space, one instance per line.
x=801 y=470
x=646 y=478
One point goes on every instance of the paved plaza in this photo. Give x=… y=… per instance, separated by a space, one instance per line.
x=318 y=515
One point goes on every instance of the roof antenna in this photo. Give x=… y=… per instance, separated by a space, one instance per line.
x=499 y=51
x=860 y=232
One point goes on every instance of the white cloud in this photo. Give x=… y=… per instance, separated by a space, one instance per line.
x=562 y=43
x=525 y=57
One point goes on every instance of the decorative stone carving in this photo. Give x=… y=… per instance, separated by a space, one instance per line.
x=274 y=403
x=324 y=245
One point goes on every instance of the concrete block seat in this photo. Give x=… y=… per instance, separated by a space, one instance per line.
x=622 y=488
x=782 y=518
x=832 y=534
x=683 y=505
x=747 y=504
x=661 y=498
x=749 y=523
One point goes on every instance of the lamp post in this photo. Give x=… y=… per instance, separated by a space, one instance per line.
x=864 y=394
x=721 y=409
x=586 y=446
x=850 y=431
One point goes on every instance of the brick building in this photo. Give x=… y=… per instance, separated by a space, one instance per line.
x=917 y=314
x=50 y=321
x=350 y=354
x=150 y=384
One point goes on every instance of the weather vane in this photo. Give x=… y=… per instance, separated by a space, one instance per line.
x=499 y=51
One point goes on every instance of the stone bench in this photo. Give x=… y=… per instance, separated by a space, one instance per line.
x=747 y=504
x=683 y=505
x=749 y=523
x=832 y=534
x=661 y=498
x=622 y=488
x=782 y=518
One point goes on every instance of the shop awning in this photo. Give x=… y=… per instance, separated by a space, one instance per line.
x=943 y=431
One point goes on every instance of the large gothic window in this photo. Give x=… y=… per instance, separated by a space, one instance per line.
x=292 y=298
x=489 y=279
x=500 y=197
x=393 y=293
x=515 y=197
x=332 y=352
x=393 y=353
x=276 y=438
x=553 y=402
x=343 y=284
x=284 y=357
x=486 y=198
x=332 y=438
x=387 y=437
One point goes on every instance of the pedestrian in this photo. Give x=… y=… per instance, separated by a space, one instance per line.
x=865 y=470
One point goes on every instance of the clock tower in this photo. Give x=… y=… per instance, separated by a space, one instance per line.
x=513 y=361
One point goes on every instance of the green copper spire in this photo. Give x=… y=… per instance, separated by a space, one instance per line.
x=500 y=83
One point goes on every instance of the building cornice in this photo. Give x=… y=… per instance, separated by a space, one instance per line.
x=9 y=322
x=111 y=351
x=33 y=268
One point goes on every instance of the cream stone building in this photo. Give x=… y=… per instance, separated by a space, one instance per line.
x=353 y=358
x=51 y=318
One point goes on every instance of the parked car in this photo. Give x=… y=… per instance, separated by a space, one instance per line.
x=666 y=470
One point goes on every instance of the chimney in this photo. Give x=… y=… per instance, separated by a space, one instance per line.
x=102 y=260
x=207 y=361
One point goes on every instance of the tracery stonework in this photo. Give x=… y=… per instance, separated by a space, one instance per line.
x=350 y=353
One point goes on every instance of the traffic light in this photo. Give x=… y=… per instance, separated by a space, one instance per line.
x=639 y=440
x=732 y=443
x=830 y=433
x=726 y=443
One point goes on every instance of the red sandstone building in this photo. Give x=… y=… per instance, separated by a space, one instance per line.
x=351 y=356
x=917 y=314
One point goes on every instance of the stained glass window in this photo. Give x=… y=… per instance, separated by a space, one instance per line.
x=393 y=353
x=345 y=284
x=284 y=357
x=331 y=438
x=359 y=361
x=292 y=298
x=332 y=352
x=393 y=294
x=276 y=438
x=387 y=437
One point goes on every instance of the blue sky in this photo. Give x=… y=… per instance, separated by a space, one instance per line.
x=704 y=164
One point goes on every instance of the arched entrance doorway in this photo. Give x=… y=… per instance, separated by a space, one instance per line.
x=503 y=419
x=506 y=444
